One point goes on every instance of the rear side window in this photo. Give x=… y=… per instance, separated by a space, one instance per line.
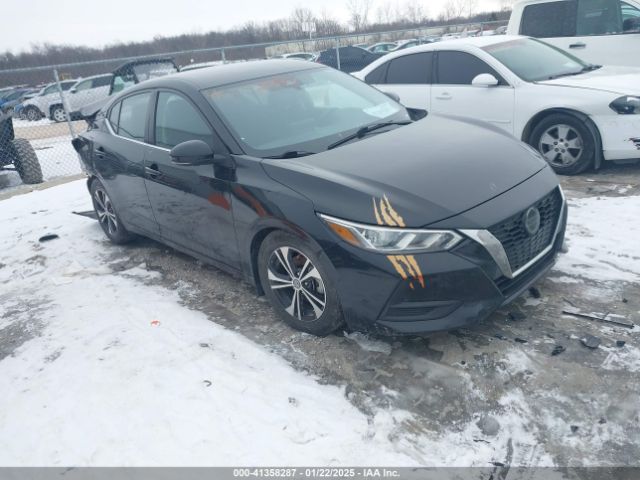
x=67 y=85
x=114 y=116
x=410 y=69
x=460 y=68
x=101 y=82
x=83 y=86
x=378 y=75
x=133 y=116
x=547 y=20
x=178 y=121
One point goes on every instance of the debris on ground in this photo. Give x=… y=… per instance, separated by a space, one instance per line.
x=516 y=315
x=618 y=320
x=574 y=428
x=521 y=340
x=488 y=425
x=590 y=341
x=558 y=349
x=499 y=336
x=535 y=292
x=48 y=237
x=620 y=343
x=207 y=383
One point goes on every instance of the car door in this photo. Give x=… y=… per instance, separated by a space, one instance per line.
x=603 y=32
x=192 y=205
x=119 y=160
x=408 y=76
x=452 y=91
x=79 y=94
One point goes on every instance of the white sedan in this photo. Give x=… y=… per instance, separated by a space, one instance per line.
x=576 y=114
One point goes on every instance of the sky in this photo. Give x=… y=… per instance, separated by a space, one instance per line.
x=97 y=22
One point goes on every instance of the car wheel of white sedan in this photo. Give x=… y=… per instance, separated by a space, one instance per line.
x=565 y=142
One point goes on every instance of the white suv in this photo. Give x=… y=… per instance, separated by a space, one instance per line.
x=47 y=102
x=87 y=91
x=604 y=32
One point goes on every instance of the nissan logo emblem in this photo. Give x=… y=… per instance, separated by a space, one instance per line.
x=532 y=221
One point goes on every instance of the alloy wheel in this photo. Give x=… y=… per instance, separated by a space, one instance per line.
x=59 y=115
x=32 y=115
x=297 y=284
x=104 y=210
x=561 y=145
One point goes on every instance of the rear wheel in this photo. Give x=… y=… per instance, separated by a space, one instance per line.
x=58 y=114
x=26 y=161
x=107 y=216
x=565 y=142
x=32 y=114
x=295 y=276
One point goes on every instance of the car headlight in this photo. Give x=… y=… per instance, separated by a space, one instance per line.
x=392 y=240
x=626 y=105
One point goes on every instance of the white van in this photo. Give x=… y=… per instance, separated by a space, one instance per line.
x=604 y=32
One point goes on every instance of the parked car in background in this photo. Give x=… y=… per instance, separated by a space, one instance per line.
x=326 y=195
x=299 y=55
x=8 y=102
x=362 y=45
x=47 y=103
x=574 y=113
x=382 y=47
x=500 y=30
x=605 y=32
x=128 y=75
x=402 y=44
x=87 y=91
x=352 y=59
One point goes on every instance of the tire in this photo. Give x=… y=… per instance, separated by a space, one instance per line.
x=107 y=217
x=567 y=156
x=33 y=114
x=311 y=283
x=58 y=114
x=26 y=161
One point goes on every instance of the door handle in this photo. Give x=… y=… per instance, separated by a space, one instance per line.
x=444 y=96
x=152 y=171
x=578 y=45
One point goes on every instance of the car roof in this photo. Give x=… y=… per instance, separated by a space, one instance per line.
x=202 y=78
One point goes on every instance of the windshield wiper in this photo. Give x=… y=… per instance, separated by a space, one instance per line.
x=586 y=68
x=365 y=130
x=292 y=154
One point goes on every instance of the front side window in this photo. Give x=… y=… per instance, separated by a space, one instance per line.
x=50 y=89
x=460 y=68
x=133 y=116
x=86 y=85
x=630 y=18
x=533 y=60
x=67 y=85
x=304 y=111
x=599 y=17
x=551 y=19
x=104 y=81
x=410 y=69
x=178 y=121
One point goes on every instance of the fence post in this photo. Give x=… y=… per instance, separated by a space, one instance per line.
x=338 y=51
x=65 y=104
x=224 y=56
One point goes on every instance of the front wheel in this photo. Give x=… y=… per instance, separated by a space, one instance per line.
x=58 y=114
x=295 y=276
x=107 y=216
x=33 y=114
x=565 y=142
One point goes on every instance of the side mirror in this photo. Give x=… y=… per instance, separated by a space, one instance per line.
x=485 y=80
x=192 y=152
x=393 y=96
x=73 y=90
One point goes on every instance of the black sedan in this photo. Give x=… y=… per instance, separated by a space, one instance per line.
x=331 y=198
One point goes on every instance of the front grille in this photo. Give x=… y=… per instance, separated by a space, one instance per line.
x=521 y=247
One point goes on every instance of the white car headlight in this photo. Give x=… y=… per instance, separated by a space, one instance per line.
x=392 y=240
x=626 y=105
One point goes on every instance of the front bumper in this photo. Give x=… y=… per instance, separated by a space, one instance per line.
x=620 y=136
x=458 y=288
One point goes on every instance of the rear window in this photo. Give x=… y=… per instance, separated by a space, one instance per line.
x=553 y=19
x=410 y=69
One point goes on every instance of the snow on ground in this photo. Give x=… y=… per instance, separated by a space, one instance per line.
x=19 y=123
x=603 y=238
x=57 y=159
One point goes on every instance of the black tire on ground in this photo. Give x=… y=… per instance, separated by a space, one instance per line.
x=107 y=216
x=584 y=157
x=32 y=114
x=58 y=114
x=317 y=287
x=26 y=161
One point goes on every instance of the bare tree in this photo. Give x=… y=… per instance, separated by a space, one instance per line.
x=414 y=12
x=506 y=5
x=454 y=9
x=359 y=13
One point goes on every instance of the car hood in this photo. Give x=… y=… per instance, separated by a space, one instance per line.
x=622 y=80
x=425 y=172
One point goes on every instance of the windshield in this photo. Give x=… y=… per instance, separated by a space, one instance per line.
x=305 y=111
x=533 y=60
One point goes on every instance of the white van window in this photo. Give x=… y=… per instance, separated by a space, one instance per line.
x=551 y=19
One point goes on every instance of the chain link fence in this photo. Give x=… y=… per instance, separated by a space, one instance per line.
x=41 y=108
